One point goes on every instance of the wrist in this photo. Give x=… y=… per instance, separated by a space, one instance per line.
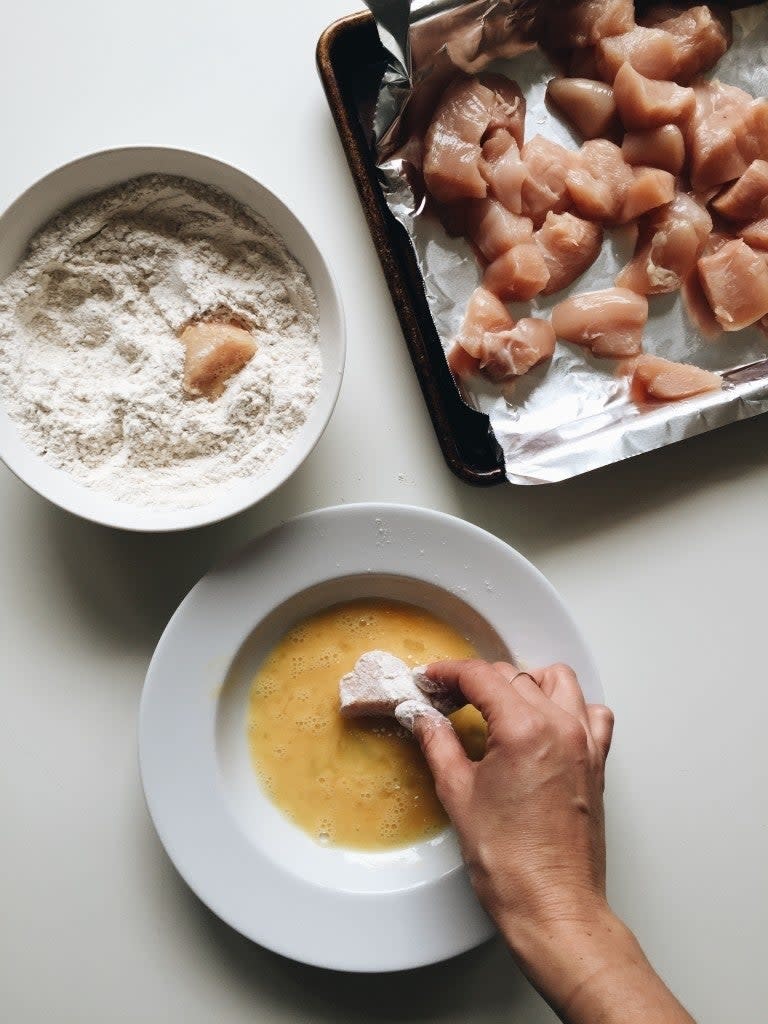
x=571 y=955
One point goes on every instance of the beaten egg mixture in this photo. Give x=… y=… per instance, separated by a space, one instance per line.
x=362 y=784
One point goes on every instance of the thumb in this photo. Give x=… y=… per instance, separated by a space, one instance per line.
x=441 y=747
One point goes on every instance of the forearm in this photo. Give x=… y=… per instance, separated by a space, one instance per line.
x=592 y=971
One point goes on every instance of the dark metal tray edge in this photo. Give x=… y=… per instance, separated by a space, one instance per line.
x=463 y=434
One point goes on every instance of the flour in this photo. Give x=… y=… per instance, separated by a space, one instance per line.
x=90 y=361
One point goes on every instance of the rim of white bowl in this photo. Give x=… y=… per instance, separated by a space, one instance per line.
x=63 y=490
x=179 y=707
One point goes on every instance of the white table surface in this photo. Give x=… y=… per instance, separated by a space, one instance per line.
x=663 y=561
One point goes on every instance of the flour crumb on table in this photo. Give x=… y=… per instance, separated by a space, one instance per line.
x=91 y=357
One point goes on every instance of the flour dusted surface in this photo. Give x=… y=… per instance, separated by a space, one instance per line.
x=91 y=365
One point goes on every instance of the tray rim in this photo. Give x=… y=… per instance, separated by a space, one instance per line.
x=381 y=223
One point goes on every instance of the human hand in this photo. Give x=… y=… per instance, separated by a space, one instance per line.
x=529 y=815
x=530 y=822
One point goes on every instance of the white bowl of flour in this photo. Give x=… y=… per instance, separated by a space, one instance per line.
x=102 y=263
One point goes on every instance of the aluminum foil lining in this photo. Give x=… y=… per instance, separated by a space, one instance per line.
x=573 y=414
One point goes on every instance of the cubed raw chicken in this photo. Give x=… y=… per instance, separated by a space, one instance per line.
x=650 y=189
x=703 y=37
x=503 y=169
x=599 y=184
x=569 y=245
x=485 y=312
x=756 y=234
x=609 y=322
x=698 y=308
x=735 y=280
x=493 y=229
x=452 y=142
x=214 y=352
x=669 y=244
x=547 y=164
x=662 y=147
x=651 y=51
x=661 y=380
x=469 y=109
x=511 y=353
x=674 y=50
x=719 y=134
x=747 y=198
x=588 y=105
x=519 y=274
x=646 y=103
x=508 y=113
x=583 y=22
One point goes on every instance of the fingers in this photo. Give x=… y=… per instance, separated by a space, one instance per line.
x=601 y=726
x=479 y=683
x=559 y=683
x=441 y=747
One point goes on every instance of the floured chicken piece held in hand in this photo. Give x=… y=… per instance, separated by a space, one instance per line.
x=669 y=243
x=662 y=147
x=380 y=683
x=609 y=322
x=569 y=246
x=660 y=380
x=588 y=105
x=214 y=353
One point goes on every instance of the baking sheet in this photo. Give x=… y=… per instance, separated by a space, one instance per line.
x=574 y=413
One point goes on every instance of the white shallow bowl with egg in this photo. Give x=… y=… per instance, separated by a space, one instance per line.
x=323 y=905
x=94 y=173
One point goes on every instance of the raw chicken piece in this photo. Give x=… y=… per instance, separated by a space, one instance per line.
x=508 y=112
x=645 y=103
x=485 y=312
x=214 y=352
x=609 y=322
x=675 y=50
x=569 y=245
x=756 y=234
x=668 y=246
x=651 y=188
x=735 y=279
x=494 y=229
x=665 y=381
x=717 y=132
x=503 y=169
x=702 y=39
x=662 y=147
x=651 y=51
x=747 y=198
x=585 y=22
x=588 y=105
x=511 y=353
x=544 y=189
x=452 y=141
x=461 y=364
x=520 y=274
x=599 y=184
